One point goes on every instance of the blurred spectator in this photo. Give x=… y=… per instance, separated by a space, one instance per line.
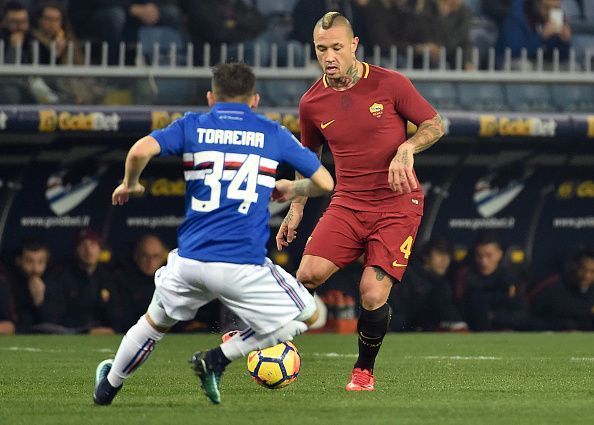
x=98 y=21
x=444 y=23
x=16 y=34
x=497 y=10
x=136 y=282
x=28 y=284
x=385 y=23
x=533 y=25
x=487 y=291
x=7 y=307
x=424 y=299
x=53 y=27
x=149 y=13
x=78 y=297
x=223 y=21
x=279 y=24
x=567 y=302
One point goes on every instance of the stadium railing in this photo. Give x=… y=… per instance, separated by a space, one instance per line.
x=175 y=61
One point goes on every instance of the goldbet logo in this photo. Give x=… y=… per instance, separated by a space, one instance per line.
x=50 y=120
x=161 y=119
x=491 y=126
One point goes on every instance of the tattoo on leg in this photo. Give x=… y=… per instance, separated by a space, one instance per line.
x=379 y=273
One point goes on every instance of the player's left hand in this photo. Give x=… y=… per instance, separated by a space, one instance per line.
x=123 y=192
x=400 y=174
x=283 y=191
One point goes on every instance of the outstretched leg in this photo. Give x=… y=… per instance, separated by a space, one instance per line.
x=210 y=365
x=135 y=348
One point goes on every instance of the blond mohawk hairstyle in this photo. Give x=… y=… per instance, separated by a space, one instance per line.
x=331 y=19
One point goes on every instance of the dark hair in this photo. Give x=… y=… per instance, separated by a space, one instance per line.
x=13 y=6
x=33 y=245
x=439 y=244
x=139 y=244
x=233 y=80
x=53 y=4
x=486 y=238
x=571 y=266
x=332 y=18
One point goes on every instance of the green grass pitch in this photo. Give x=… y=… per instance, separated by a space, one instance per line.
x=421 y=379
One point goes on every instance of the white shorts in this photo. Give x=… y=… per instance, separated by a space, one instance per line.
x=265 y=297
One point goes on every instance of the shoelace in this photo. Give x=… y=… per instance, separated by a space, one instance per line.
x=361 y=378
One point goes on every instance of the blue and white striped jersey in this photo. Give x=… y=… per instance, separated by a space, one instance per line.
x=230 y=157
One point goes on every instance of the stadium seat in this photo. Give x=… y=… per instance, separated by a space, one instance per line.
x=440 y=95
x=529 y=97
x=581 y=42
x=482 y=96
x=483 y=35
x=169 y=91
x=573 y=97
x=165 y=36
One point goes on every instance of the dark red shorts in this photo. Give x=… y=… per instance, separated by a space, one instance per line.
x=342 y=235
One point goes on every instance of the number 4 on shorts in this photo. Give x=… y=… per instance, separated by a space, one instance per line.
x=406 y=247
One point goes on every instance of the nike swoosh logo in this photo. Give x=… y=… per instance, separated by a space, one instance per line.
x=326 y=124
x=397 y=264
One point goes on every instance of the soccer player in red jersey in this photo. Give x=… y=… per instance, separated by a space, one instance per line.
x=360 y=111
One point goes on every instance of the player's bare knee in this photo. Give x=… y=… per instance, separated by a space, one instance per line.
x=372 y=300
x=310 y=278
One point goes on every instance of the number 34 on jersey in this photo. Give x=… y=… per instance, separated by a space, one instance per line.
x=244 y=173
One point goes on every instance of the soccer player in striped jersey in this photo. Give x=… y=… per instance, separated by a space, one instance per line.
x=230 y=158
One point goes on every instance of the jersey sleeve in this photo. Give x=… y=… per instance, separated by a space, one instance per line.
x=311 y=137
x=294 y=154
x=409 y=103
x=171 y=138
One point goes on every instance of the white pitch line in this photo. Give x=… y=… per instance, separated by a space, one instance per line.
x=582 y=359
x=30 y=349
x=455 y=357
x=334 y=355
x=354 y=356
x=51 y=350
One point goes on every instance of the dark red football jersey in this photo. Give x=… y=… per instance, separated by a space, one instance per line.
x=363 y=126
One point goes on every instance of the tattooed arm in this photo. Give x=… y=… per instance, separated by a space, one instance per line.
x=287 y=231
x=427 y=134
x=400 y=174
x=320 y=183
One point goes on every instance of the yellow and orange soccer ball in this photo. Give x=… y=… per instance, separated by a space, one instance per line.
x=275 y=367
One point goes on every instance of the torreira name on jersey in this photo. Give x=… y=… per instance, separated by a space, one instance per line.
x=253 y=139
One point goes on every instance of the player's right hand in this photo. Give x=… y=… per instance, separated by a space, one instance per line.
x=123 y=192
x=288 y=229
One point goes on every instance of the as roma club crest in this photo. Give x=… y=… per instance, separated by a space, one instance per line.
x=377 y=109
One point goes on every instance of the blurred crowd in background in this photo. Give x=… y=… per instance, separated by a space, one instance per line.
x=424 y=32
x=480 y=293
x=440 y=292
